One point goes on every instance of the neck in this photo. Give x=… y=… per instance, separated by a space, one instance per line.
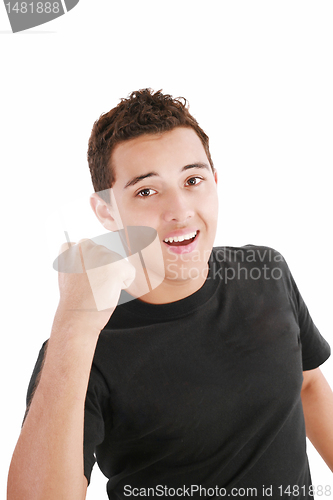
x=172 y=290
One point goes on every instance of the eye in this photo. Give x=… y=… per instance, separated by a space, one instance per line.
x=194 y=181
x=146 y=192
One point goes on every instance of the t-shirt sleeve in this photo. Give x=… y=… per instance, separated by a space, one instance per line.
x=96 y=409
x=315 y=349
x=97 y=396
x=35 y=378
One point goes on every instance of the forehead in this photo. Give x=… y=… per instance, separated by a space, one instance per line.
x=175 y=148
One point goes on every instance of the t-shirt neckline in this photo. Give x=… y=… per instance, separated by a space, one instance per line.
x=180 y=307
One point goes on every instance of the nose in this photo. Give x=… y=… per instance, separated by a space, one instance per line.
x=178 y=207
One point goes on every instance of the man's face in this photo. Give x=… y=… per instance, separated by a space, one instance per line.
x=165 y=181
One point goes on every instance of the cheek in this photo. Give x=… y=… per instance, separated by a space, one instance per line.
x=210 y=209
x=139 y=215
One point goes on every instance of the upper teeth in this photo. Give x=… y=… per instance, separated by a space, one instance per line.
x=181 y=238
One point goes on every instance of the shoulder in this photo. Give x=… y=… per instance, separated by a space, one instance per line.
x=258 y=262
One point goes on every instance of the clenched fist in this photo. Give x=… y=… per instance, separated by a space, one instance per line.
x=93 y=279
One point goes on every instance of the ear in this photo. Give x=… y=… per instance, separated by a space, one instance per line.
x=106 y=213
x=215 y=176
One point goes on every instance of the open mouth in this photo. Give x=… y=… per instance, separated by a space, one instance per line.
x=184 y=240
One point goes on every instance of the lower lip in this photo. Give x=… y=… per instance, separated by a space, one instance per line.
x=183 y=248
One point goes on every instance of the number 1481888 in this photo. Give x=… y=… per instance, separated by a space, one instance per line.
x=33 y=7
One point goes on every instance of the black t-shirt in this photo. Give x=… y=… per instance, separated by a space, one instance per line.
x=201 y=397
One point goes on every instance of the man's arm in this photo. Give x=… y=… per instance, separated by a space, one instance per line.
x=48 y=461
x=317 y=399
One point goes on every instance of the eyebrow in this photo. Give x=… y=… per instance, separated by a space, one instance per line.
x=139 y=178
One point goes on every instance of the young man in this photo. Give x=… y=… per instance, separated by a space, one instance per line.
x=200 y=386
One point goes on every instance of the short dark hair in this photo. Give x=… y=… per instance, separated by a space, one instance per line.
x=143 y=112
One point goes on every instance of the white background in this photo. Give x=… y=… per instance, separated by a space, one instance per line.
x=258 y=76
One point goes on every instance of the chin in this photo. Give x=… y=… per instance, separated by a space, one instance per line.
x=181 y=270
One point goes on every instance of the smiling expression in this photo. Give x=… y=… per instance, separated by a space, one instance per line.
x=165 y=181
